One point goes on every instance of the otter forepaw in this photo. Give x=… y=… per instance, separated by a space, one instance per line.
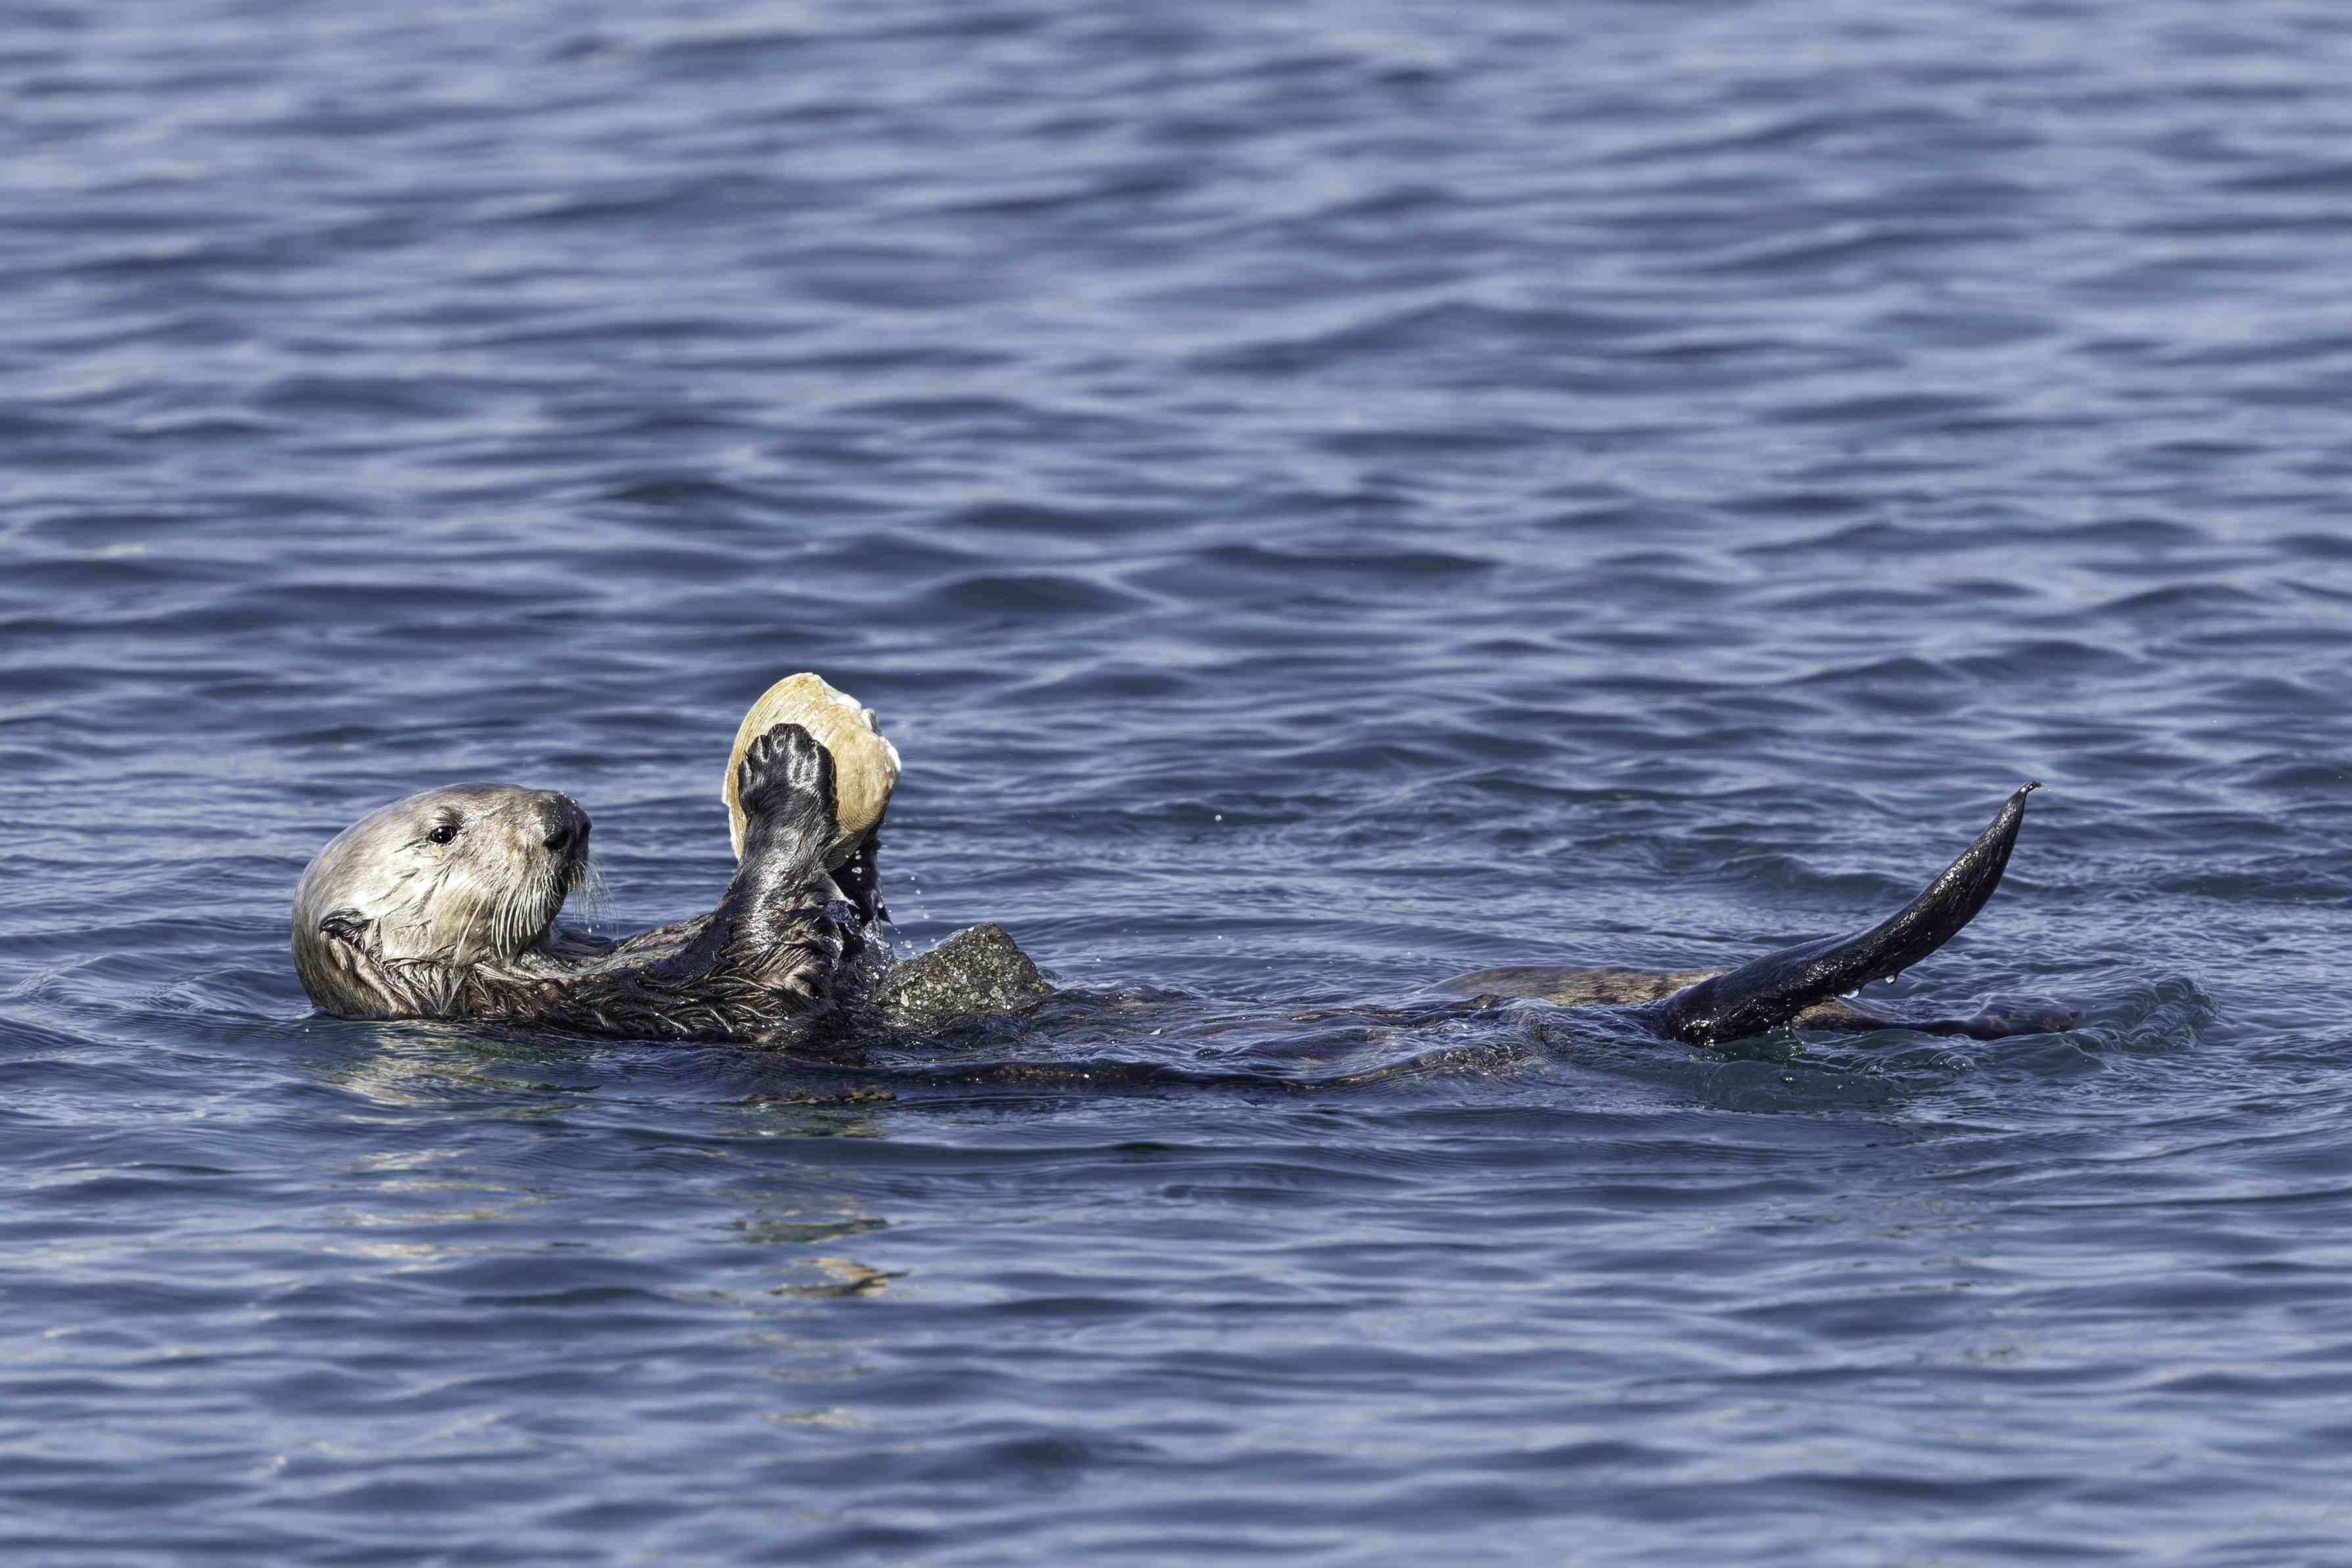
x=786 y=776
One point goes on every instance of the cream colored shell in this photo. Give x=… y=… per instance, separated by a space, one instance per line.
x=864 y=765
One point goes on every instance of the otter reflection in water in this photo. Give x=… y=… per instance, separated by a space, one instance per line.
x=444 y=906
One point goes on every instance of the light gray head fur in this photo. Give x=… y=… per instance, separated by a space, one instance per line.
x=392 y=914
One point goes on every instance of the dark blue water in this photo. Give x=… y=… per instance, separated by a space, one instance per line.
x=1324 y=496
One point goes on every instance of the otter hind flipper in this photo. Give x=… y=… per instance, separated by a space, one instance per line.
x=1771 y=990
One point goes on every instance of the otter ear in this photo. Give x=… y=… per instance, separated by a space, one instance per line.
x=345 y=925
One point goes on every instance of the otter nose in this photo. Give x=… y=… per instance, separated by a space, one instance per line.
x=563 y=825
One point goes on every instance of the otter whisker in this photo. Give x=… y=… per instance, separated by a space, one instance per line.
x=482 y=916
x=531 y=919
x=512 y=931
x=594 y=900
x=465 y=951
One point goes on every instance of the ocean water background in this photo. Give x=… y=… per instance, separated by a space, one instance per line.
x=1324 y=498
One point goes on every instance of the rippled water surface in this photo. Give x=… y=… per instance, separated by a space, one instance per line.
x=1324 y=496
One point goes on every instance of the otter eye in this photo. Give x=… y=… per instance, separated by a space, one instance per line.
x=444 y=833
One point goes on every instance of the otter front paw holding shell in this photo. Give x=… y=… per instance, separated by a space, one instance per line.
x=786 y=779
x=864 y=765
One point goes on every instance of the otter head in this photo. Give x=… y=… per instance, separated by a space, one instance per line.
x=390 y=913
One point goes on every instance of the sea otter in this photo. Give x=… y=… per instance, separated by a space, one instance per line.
x=443 y=906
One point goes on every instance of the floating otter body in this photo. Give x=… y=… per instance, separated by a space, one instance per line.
x=443 y=906
x=1804 y=986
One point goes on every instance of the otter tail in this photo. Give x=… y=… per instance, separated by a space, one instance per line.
x=1774 y=988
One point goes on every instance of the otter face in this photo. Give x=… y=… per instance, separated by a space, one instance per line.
x=402 y=900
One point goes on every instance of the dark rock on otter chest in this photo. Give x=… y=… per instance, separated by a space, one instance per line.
x=977 y=971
